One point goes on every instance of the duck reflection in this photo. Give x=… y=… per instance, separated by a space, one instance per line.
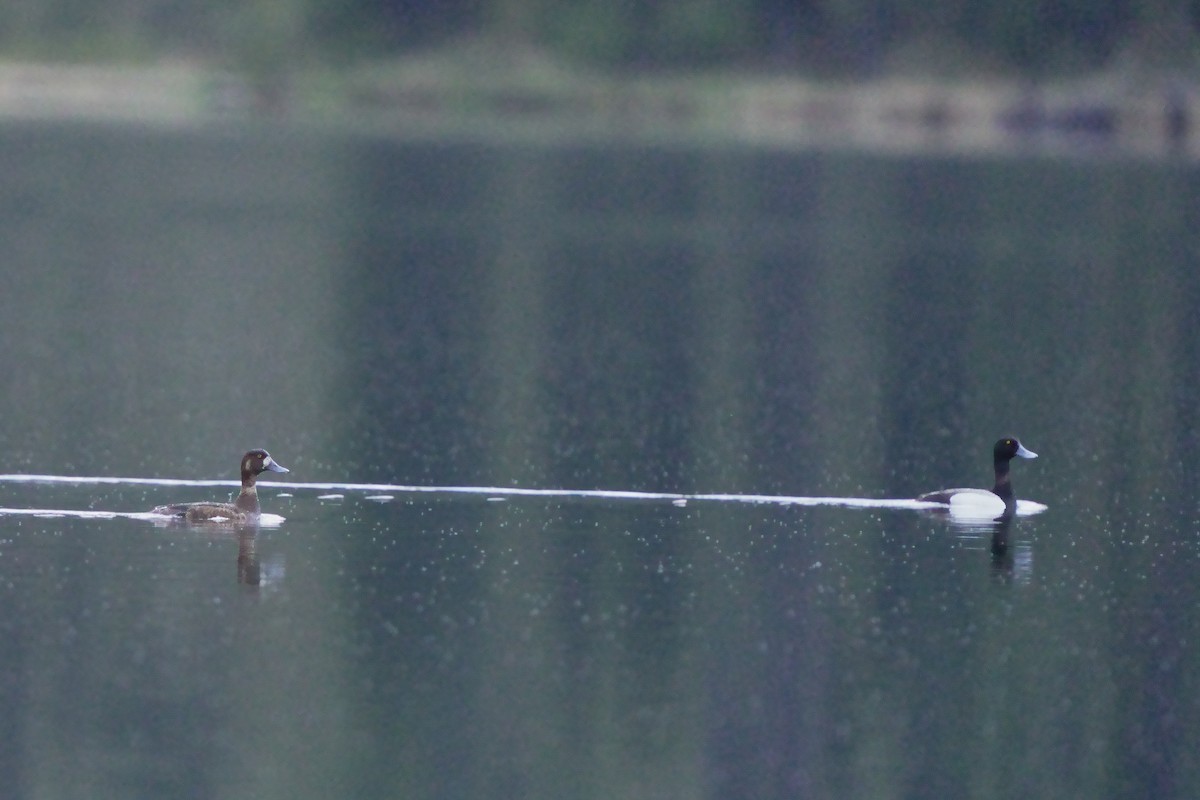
x=1003 y=563
x=1010 y=562
x=250 y=569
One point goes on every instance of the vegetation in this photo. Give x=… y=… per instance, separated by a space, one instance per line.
x=829 y=37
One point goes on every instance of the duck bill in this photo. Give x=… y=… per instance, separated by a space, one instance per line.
x=1024 y=452
x=274 y=466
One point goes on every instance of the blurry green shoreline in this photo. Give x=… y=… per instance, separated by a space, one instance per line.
x=521 y=96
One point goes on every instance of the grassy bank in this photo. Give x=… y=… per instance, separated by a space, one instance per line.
x=524 y=95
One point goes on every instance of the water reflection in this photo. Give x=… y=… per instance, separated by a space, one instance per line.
x=250 y=570
x=1011 y=561
x=253 y=571
x=685 y=323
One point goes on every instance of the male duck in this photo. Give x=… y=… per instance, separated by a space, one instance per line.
x=980 y=502
x=243 y=509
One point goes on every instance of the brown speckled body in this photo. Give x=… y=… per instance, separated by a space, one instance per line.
x=244 y=508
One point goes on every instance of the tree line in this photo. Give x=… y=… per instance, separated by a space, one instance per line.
x=841 y=37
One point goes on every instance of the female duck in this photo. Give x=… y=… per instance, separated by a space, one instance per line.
x=981 y=501
x=243 y=509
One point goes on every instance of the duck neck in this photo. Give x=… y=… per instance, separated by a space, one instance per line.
x=1003 y=488
x=247 y=499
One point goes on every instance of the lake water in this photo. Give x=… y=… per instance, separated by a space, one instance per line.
x=397 y=316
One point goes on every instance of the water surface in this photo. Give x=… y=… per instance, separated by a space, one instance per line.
x=389 y=318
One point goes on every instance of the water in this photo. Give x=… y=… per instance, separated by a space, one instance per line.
x=391 y=318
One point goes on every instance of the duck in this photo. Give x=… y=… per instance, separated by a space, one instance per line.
x=1000 y=503
x=243 y=509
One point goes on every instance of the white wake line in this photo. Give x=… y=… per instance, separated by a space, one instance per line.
x=264 y=520
x=1024 y=506
x=64 y=512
